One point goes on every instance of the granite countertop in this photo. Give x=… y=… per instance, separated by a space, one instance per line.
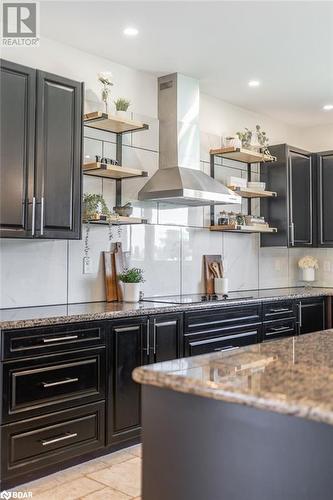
x=28 y=317
x=293 y=376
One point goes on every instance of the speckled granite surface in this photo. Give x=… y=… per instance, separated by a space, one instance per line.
x=70 y=313
x=292 y=376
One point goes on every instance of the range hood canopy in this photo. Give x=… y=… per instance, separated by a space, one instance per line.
x=179 y=179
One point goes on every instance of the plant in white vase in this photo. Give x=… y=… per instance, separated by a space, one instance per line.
x=308 y=266
x=122 y=106
x=131 y=279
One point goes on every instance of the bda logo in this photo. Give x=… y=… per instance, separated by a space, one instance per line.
x=5 y=494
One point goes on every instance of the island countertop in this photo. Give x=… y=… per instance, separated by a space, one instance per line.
x=293 y=376
x=29 y=317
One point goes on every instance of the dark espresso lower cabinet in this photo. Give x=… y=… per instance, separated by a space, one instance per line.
x=311 y=315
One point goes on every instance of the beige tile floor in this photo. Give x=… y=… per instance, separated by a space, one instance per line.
x=116 y=476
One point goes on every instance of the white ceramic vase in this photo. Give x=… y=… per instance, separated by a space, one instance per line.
x=131 y=292
x=123 y=114
x=308 y=274
x=221 y=286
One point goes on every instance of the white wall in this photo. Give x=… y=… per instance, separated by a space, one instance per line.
x=170 y=248
x=315 y=139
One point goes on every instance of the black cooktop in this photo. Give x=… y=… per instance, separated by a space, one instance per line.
x=197 y=298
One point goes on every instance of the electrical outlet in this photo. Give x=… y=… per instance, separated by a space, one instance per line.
x=87 y=265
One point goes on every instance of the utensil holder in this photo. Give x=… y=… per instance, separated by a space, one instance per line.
x=221 y=285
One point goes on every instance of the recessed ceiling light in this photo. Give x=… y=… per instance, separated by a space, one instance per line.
x=328 y=107
x=254 y=83
x=130 y=31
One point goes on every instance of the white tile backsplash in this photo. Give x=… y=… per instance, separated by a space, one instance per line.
x=33 y=272
x=241 y=254
x=195 y=244
x=157 y=250
x=273 y=268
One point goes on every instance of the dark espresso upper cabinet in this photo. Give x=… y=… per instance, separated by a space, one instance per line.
x=293 y=212
x=17 y=139
x=41 y=128
x=58 y=156
x=324 y=168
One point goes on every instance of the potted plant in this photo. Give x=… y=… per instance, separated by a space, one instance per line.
x=122 y=106
x=106 y=80
x=307 y=266
x=131 y=279
x=95 y=207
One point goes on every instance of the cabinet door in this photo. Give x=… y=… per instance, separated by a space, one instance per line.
x=301 y=203
x=59 y=145
x=166 y=333
x=129 y=340
x=17 y=137
x=325 y=198
x=311 y=316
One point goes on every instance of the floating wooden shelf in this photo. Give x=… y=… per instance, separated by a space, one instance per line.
x=112 y=123
x=242 y=155
x=97 y=169
x=244 y=229
x=252 y=193
x=118 y=221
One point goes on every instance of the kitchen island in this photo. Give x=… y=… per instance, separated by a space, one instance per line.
x=247 y=424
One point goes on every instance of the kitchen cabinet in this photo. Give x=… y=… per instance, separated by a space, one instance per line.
x=293 y=211
x=41 y=137
x=165 y=337
x=129 y=349
x=17 y=138
x=311 y=315
x=136 y=342
x=324 y=169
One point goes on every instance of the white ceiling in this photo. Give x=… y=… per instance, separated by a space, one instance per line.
x=286 y=45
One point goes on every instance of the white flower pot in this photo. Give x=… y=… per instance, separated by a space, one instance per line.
x=221 y=286
x=123 y=114
x=131 y=292
x=308 y=274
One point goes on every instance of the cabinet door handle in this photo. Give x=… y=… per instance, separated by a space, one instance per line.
x=292 y=237
x=58 y=339
x=60 y=382
x=42 y=216
x=280 y=329
x=46 y=442
x=166 y=323
x=300 y=318
x=126 y=329
x=154 y=336
x=33 y=219
x=228 y=348
x=282 y=309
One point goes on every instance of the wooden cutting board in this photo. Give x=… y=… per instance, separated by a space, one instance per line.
x=209 y=277
x=113 y=265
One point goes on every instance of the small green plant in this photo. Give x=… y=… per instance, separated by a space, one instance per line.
x=245 y=138
x=262 y=137
x=94 y=204
x=122 y=104
x=132 y=275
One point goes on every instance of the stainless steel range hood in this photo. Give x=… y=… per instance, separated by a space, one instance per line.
x=179 y=179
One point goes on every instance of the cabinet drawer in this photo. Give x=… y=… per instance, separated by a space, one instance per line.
x=40 y=385
x=40 y=442
x=278 y=309
x=204 y=345
x=215 y=319
x=35 y=341
x=278 y=329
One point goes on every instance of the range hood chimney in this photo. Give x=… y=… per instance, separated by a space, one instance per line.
x=179 y=179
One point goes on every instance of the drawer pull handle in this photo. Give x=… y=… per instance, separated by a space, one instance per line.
x=60 y=382
x=58 y=339
x=228 y=348
x=61 y=438
x=281 y=310
x=280 y=328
